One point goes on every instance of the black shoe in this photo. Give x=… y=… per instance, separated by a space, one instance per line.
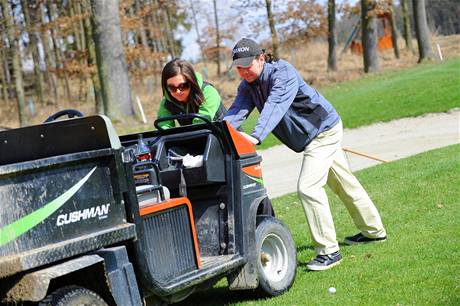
x=360 y=238
x=324 y=262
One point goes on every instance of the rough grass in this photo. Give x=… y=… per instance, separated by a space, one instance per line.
x=423 y=89
x=419 y=201
x=432 y=87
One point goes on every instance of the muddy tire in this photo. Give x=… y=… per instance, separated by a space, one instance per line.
x=73 y=296
x=277 y=257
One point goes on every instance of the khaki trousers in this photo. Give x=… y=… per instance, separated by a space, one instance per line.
x=325 y=162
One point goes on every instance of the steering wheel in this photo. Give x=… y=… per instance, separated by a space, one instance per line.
x=71 y=113
x=181 y=116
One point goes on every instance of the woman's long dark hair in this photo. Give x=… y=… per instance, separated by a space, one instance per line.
x=181 y=67
x=269 y=58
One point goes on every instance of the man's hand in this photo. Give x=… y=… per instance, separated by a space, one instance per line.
x=253 y=140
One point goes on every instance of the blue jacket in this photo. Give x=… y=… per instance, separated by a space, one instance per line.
x=293 y=111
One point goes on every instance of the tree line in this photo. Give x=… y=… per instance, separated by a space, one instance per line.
x=105 y=46
x=47 y=43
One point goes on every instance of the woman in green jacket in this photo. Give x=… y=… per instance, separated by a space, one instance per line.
x=185 y=92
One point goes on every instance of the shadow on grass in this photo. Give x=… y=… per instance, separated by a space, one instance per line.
x=312 y=248
x=223 y=296
x=304 y=248
x=219 y=296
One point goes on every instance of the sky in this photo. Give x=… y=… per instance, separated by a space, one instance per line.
x=191 y=49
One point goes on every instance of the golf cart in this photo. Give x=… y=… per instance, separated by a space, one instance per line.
x=90 y=218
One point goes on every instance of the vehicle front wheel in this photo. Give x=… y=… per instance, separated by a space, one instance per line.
x=277 y=256
x=73 y=296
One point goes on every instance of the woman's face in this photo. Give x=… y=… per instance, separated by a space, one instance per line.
x=252 y=73
x=179 y=88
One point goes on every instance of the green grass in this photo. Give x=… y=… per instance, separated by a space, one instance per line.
x=419 y=264
x=427 y=88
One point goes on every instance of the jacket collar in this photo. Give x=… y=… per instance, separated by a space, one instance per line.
x=264 y=75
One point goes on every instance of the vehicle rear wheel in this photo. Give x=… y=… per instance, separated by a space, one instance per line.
x=73 y=296
x=277 y=256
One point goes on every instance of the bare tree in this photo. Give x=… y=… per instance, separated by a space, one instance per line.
x=159 y=41
x=3 y=82
x=30 y=23
x=271 y=23
x=217 y=38
x=421 y=31
x=197 y=31
x=143 y=62
x=3 y=60
x=406 y=22
x=111 y=62
x=57 y=47
x=13 y=41
x=81 y=27
x=369 y=36
x=167 y=22
x=302 y=20
x=331 y=36
x=45 y=39
x=394 y=30
x=91 y=58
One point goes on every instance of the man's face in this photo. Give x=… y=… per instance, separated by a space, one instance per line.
x=252 y=73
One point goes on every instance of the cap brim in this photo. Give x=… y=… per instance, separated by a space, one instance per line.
x=243 y=62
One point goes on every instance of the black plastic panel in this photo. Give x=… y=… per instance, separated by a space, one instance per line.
x=52 y=139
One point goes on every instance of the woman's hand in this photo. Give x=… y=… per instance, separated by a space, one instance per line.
x=253 y=140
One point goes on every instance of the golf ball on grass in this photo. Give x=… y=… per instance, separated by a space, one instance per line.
x=332 y=290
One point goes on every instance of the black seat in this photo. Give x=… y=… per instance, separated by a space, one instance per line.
x=211 y=171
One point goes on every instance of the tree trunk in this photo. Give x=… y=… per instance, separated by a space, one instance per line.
x=369 y=37
x=75 y=26
x=59 y=58
x=394 y=32
x=81 y=26
x=14 y=55
x=91 y=59
x=144 y=61
x=111 y=62
x=159 y=42
x=421 y=31
x=81 y=47
x=3 y=61
x=3 y=81
x=271 y=23
x=197 y=30
x=170 y=27
x=217 y=38
x=406 y=22
x=30 y=23
x=331 y=36
x=166 y=26
x=51 y=78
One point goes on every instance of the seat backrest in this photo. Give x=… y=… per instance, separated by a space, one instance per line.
x=57 y=138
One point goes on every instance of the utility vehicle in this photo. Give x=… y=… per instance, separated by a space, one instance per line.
x=90 y=218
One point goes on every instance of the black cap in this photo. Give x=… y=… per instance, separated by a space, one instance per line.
x=244 y=52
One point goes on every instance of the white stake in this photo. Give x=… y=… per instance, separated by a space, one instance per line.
x=141 y=109
x=439 y=52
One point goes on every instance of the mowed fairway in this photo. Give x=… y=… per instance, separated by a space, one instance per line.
x=419 y=200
